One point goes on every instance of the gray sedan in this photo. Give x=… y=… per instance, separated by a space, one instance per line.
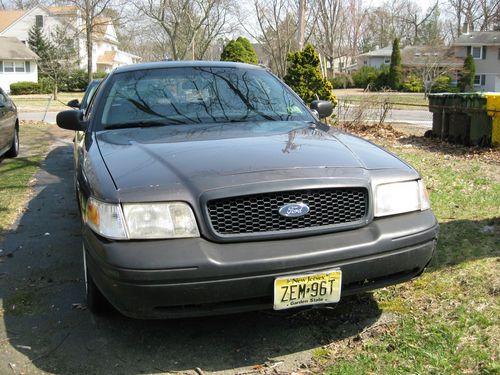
x=210 y=187
x=9 y=127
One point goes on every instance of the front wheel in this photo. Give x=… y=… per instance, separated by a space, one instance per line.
x=96 y=302
x=14 y=148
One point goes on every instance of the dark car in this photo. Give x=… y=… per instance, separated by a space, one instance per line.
x=209 y=187
x=87 y=97
x=9 y=127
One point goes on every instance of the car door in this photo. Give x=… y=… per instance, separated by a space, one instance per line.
x=4 y=124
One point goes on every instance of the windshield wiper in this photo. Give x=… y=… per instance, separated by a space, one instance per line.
x=142 y=124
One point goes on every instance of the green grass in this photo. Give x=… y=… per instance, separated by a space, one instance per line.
x=448 y=319
x=39 y=102
x=16 y=174
x=399 y=100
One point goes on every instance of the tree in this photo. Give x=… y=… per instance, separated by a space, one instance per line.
x=58 y=57
x=37 y=41
x=251 y=55
x=188 y=27
x=466 y=82
x=94 y=14
x=395 y=71
x=239 y=50
x=305 y=78
x=276 y=31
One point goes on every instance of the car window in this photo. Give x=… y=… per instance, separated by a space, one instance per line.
x=198 y=95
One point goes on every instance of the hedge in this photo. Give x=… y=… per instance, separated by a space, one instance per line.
x=24 y=88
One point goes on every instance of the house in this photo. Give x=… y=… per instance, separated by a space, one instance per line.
x=17 y=63
x=484 y=46
x=431 y=61
x=375 y=58
x=106 y=54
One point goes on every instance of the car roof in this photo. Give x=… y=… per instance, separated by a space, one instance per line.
x=184 y=64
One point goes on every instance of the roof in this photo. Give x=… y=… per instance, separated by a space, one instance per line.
x=107 y=58
x=185 y=64
x=65 y=9
x=7 y=17
x=12 y=48
x=384 y=52
x=478 y=38
x=423 y=55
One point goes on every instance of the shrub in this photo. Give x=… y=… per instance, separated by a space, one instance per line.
x=466 y=82
x=382 y=81
x=413 y=84
x=365 y=76
x=98 y=75
x=443 y=84
x=395 y=75
x=46 y=85
x=75 y=81
x=305 y=78
x=342 y=81
x=24 y=88
x=239 y=50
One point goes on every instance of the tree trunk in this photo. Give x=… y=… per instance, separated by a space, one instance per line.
x=88 y=29
x=55 y=91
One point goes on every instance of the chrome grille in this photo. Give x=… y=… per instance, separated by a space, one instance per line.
x=258 y=213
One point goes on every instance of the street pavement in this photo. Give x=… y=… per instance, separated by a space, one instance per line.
x=49 y=117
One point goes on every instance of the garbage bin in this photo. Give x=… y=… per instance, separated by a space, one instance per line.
x=466 y=118
x=493 y=110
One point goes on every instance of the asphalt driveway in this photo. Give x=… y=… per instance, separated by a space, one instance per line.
x=45 y=327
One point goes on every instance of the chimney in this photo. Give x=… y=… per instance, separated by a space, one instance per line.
x=467 y=28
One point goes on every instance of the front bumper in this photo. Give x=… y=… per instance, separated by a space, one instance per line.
x=194 y=277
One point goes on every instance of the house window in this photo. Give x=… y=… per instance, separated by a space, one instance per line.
x=39 y=21
x=479 y=80
x=19 y=67
x=8 y=67
x=14 y=66
x=476 y=52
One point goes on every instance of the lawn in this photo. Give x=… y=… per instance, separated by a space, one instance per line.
x=398 y=100
x=447 y=321
x=16 y=174
x=39 y=102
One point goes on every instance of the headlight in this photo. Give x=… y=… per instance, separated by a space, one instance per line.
x=105 y=219
x=140 y=220
x=160 y=220
x=399 y=197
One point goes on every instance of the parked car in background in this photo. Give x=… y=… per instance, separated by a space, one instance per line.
x=210 y=187
x=87 y=97
x=9 y=127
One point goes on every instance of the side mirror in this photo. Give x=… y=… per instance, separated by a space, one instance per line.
x=74 y=103
x=71 y=120
x=323 y=108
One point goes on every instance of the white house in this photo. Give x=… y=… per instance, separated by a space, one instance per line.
x=105 y=54
x=17 y=63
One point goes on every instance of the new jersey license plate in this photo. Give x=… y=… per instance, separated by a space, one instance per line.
x=308 y=289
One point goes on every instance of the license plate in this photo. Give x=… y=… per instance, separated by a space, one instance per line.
x=307 y=289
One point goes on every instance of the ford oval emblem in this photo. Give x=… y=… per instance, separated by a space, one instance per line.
x=294 y=210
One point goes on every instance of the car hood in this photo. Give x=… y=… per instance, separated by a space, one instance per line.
x=205 y=157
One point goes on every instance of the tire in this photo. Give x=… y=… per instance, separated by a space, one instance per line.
x=96 y=302
x=14 y=148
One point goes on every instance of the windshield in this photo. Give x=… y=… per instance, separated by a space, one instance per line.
x=198 y=95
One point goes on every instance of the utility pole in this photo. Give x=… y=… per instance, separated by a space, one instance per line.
x=302 y=25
